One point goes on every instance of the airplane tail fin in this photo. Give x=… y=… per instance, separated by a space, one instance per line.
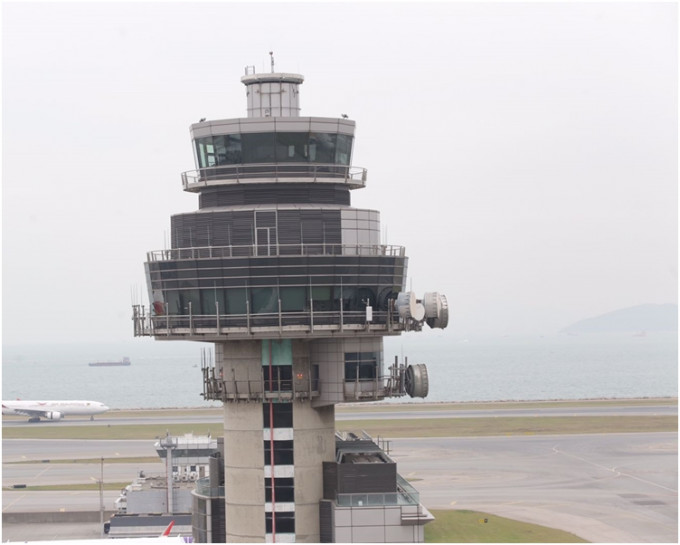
x=167 y=531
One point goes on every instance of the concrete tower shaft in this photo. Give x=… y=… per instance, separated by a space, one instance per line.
x=292 y=285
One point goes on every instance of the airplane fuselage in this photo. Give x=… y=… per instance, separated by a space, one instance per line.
x=52 y=410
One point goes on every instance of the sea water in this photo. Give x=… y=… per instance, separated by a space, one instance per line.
x=555 y=367
x=168 y=374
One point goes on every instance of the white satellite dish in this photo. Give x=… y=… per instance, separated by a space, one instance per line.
x=436 y=310
x=406 y=302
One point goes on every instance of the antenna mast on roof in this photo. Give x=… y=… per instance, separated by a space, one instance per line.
x=271 y=54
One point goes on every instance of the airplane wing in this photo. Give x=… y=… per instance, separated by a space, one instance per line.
x=30 y=412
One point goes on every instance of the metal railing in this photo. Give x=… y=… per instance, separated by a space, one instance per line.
x=204 y=489
x=406 y=489
x=354 y=177
x=275 y=250
x=403 y=496
x=276 y=323
x=219 y=388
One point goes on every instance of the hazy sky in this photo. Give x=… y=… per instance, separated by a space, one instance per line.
x=524 y=153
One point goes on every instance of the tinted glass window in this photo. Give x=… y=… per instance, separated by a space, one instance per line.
x=343 y=150
x=293 y=299
x=205 y=152
x=283 y=487
x=292 y=147
x=283 y=415
x=210 y=300
x=264 y=300
x=322 y=147
x=281 y=378
x=360 y=366
x=285 y=523
x=189 y=301
x=258 y=147
x=236 y=301
x=282 y=147
x=172 y=302
x=228 y=149
x=321 y=293
x=283 y=455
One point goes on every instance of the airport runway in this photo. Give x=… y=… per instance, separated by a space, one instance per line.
x=358 y=414
x=395 y=412
x=604 y=488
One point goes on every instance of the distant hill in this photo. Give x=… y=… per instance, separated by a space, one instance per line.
x=630 y=320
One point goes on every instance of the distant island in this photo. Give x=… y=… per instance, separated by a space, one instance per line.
x=639 y=319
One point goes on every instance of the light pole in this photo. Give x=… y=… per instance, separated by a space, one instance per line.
x=101 y=498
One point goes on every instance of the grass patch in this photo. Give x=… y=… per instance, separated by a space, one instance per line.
x=502 y=405
x=461 y=526
x=117 y=432
x=121 y=460
x=348 y=408
x=67 y=487
x=539 y=425
x=164 y=413
x=407 y=427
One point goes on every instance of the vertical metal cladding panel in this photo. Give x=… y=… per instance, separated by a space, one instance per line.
x=367 y=478
x=325 y=521
x=186 y=230
x=176 y=230
x=274 y=194
x=220 y=197
x=204 y=231
x=199 y=520
x=243 y=226
x=289 y=229
x=309 y=226
x=200 y=229
x=320 y=226
x=333 y=226
x=330 y=480
x=218 y=521
x=216 y=468
x=221 y=228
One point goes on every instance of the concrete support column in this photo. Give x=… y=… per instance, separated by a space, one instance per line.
x=314 y=444
x=244 y=472
x=313 y=435
x=243 y=448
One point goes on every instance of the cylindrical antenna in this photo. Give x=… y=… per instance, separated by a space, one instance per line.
x=271 y=54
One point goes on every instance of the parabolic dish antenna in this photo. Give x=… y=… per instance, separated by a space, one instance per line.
x=416 y=381
x=436 y=310
x=409 y=307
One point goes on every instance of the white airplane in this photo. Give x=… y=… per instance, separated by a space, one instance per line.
x=52 y=410
x=165 y=537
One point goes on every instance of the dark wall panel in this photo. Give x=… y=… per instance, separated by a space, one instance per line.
x=330 y=480
x=273 y=194
x=367 y=478
x=325 y=522
x=237 y=228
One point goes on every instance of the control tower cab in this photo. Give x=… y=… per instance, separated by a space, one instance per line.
x=292 y=285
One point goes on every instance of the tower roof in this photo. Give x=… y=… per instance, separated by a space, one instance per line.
x=274 y=77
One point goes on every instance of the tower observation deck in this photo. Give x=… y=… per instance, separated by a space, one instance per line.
x=293 y=287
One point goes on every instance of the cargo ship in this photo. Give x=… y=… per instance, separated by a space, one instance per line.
x=124 y=361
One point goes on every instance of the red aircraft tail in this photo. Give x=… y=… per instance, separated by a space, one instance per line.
x=167 y=531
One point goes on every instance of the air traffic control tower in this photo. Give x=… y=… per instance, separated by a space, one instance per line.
x=294 y=289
